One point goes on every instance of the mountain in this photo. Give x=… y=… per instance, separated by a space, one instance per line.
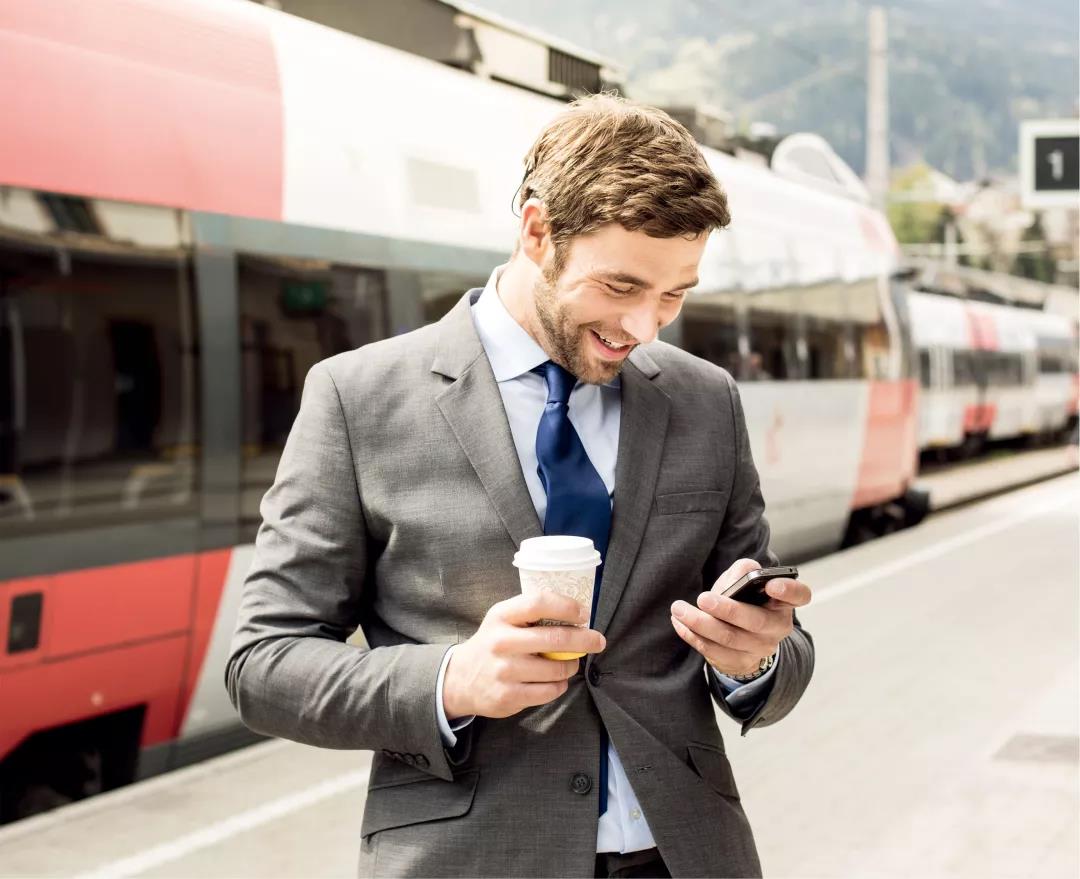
x=962 y=73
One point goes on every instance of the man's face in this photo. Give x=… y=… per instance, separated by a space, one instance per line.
x=616 y=290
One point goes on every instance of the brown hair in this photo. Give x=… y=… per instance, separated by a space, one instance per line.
x=606 y=159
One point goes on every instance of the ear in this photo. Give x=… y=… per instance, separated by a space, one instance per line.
x=535 y=236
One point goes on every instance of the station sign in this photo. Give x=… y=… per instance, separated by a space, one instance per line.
x=1050 y=163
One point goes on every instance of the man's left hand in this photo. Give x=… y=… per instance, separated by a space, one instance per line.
x=734 y=636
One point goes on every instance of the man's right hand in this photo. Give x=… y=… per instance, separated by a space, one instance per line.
x=497 y=672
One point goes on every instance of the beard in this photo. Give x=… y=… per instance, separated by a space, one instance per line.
x=567 y=344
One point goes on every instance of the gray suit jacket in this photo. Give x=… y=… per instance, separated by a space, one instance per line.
x=398 y=504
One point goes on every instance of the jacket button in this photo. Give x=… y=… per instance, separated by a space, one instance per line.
x=580 y=783
x=594 y=675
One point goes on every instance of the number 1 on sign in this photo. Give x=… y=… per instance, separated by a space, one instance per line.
x=1057 y=164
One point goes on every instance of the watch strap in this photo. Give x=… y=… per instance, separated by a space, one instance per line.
x=765 y=664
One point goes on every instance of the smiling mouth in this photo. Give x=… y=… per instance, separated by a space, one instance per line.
x=612 y=346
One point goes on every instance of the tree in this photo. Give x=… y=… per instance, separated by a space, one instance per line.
x=914 y=221
x=1036 y=264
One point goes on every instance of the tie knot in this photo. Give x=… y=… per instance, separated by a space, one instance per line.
x=559 y=382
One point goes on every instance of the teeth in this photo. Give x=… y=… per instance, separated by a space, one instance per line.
x=609 y=343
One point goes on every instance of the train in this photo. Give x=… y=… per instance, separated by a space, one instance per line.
x=201 y=200
x=991 y=372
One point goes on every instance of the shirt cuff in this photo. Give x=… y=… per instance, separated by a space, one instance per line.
x=446 y=730
x=741 y=696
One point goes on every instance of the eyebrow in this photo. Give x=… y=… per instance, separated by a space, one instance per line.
x=623 y=278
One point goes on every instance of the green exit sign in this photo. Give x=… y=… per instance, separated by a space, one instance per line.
x=309 y=297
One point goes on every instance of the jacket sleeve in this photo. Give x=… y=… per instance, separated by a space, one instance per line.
x=290 y=673
x=745 y=534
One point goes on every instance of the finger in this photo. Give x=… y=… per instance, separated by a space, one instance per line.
x=708 y=627
x=524 y=610
x=550 y=639
x=794 y=593
x=541 y=694
x=768 y=623
x=739 y=569
x=529 y=669
x=717 y=654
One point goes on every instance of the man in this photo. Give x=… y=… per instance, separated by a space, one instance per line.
x=415 y=468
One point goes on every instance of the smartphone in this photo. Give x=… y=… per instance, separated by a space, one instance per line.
x=751 y=587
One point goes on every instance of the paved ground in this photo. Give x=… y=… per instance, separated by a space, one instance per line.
x=937 y=649
x=939 y=737
x=963 y=482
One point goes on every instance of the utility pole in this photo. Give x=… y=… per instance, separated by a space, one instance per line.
x=877 y=107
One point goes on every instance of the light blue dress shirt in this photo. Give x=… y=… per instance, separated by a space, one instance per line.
x=595 y=412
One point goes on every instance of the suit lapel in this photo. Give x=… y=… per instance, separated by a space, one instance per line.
x=642 y=429
x=474 y=410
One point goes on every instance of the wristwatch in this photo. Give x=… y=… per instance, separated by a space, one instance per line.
x=763 y=667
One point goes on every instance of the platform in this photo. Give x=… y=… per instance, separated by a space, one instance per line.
x=939 y=736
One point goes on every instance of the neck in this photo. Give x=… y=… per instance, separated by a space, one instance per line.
x=515 y=288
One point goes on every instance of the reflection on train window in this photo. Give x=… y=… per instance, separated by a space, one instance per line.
x=963 y=366
x=829 y=343
x=924 y=368
x=295 y=312
x=711 y=330
x=1052 y=363
x=97 y=372
x=773 y=334
x=440 y=291
x=1001 y=369
x=872 y=342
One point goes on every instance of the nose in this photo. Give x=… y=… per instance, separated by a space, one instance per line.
x=642 y=322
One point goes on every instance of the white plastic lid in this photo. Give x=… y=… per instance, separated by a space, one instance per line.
x=556 y=553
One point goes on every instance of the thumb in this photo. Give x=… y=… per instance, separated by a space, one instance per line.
x=737 y=570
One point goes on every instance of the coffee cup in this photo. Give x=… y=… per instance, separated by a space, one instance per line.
x=562 y=564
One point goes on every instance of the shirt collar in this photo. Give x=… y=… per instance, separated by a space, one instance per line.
x=509 y=348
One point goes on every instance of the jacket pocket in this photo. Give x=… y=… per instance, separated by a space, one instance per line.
x=691 y=502
x=713 y=767
x=399 y=804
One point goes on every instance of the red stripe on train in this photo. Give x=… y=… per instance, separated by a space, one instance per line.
x=111 y=638
x=978 y=418
x=890 y=449
x=210 y=585
x=141 y=102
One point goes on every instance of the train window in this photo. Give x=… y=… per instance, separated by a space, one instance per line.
x=872 y=342
x=1003 y=370
x=1014 y=370
x=924 y=368
x=1054 y=362
x=774 y=351
x=710 y=326
x=963 y=369
x=827 y=331
x=98 y=390
x=295 y=312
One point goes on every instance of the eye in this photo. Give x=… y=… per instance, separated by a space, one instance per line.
x=619 y=292
x=675 y=295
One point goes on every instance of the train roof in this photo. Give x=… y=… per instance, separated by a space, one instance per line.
x=937 y=319
x=238 y=109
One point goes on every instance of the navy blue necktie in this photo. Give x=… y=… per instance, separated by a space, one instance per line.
x=577 y=499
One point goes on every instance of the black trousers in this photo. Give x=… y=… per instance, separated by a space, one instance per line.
x=645 y=864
